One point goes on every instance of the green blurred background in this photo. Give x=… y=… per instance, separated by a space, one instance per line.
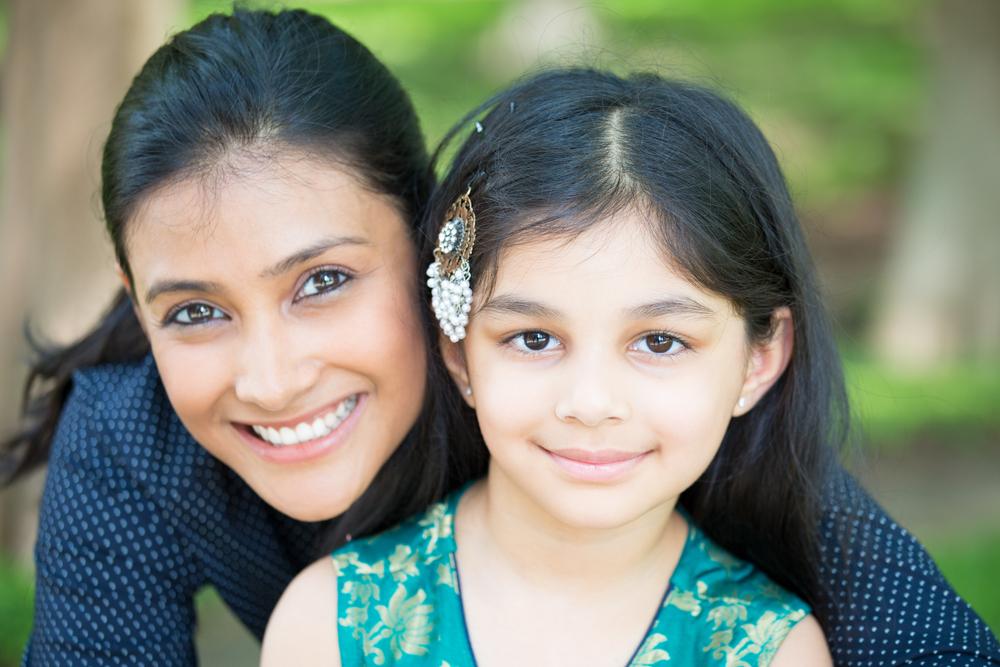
x=885 y=115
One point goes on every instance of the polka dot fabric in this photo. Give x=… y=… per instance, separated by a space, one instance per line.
x=890 y=604
x=136 y=517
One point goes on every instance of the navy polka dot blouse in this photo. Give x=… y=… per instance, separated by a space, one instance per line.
x=136 y=517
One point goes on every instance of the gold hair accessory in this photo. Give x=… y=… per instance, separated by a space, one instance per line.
x=449 y=275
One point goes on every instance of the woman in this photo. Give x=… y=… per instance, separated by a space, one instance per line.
x=266 y=357
x=261 y=184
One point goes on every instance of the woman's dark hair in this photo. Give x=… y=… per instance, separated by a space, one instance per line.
x=261 y=83
x=566 y=149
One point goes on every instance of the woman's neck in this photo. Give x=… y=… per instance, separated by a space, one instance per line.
x=508 y=529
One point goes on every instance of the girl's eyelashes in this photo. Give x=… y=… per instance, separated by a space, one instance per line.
x=532 y=342
x=656 y=344
x=321 y=281
x=193 y=314
x=659 y=344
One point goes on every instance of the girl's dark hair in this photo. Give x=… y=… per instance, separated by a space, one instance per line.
x=258 y=82
x=564 y=150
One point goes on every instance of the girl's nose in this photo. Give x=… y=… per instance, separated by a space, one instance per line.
x=592 y=396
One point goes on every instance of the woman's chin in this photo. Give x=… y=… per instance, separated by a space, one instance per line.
x=310 y=507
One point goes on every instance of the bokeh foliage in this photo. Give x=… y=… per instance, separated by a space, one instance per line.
x=837 y=85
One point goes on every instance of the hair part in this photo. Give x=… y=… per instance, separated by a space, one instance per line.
x=567 y=149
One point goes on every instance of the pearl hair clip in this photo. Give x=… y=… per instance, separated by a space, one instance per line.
x=449 y=274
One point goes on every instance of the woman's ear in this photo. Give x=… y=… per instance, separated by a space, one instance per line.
x=768 y=360
x=454 y=359
x=127 y=284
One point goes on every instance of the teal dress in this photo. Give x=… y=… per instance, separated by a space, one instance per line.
x=399 y=603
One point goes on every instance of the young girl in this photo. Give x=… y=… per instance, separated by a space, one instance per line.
x=629 y=308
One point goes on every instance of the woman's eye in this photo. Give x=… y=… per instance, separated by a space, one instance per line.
x=659 y=344
x=320 y=282
x=195 y=313
x=533 y=341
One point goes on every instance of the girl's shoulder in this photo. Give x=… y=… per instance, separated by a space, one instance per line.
x=397 y=594
x=302 y=628
x=423 y=543
x=728 y=610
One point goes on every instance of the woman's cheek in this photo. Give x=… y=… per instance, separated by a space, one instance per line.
x=196 y=378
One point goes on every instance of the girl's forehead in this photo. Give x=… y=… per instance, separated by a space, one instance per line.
x=619 y=259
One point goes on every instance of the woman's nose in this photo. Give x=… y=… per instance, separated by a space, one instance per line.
x=273 y=371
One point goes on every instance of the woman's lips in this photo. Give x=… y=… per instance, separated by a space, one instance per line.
x=309 y=449
x=600 y=465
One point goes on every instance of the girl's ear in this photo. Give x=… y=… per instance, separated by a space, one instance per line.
x=768 y=360
x=454 y=359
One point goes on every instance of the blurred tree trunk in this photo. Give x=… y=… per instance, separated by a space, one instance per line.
x=67 y=65
x=941 y=298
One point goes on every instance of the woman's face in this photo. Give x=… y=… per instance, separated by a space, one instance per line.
x=279 y=300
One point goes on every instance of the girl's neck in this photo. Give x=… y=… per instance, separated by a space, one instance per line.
x=508 y=529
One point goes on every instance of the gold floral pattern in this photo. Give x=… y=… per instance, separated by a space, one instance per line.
x=398 y=603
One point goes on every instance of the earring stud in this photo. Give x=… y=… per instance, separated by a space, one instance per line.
x=468 y=390
x=742 y=402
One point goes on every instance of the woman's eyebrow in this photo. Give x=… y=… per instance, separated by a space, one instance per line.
x=304 y=255
x=165 y=286
x=310 y=252
x=681 y=305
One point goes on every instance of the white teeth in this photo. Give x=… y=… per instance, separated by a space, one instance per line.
x=320 y=428
x=306 y=431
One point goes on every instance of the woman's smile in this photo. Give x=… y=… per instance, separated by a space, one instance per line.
x=296 y=441
x=306 y=428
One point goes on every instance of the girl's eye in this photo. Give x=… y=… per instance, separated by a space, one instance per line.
x=660 y=344
x=533 y=341
x=324 y=280
x=195 y=313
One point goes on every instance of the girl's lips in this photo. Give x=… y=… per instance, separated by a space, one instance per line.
x=307 y=450
x=603 y=465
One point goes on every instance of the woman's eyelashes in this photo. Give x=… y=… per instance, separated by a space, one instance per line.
x=321 y=281
x=317 y=284
x=193 y=314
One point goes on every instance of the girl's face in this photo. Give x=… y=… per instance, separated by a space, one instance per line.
x=603 y=379
x=280 y=306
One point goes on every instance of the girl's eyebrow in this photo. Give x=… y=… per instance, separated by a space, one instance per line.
x=680 y=305
x=507 y=304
